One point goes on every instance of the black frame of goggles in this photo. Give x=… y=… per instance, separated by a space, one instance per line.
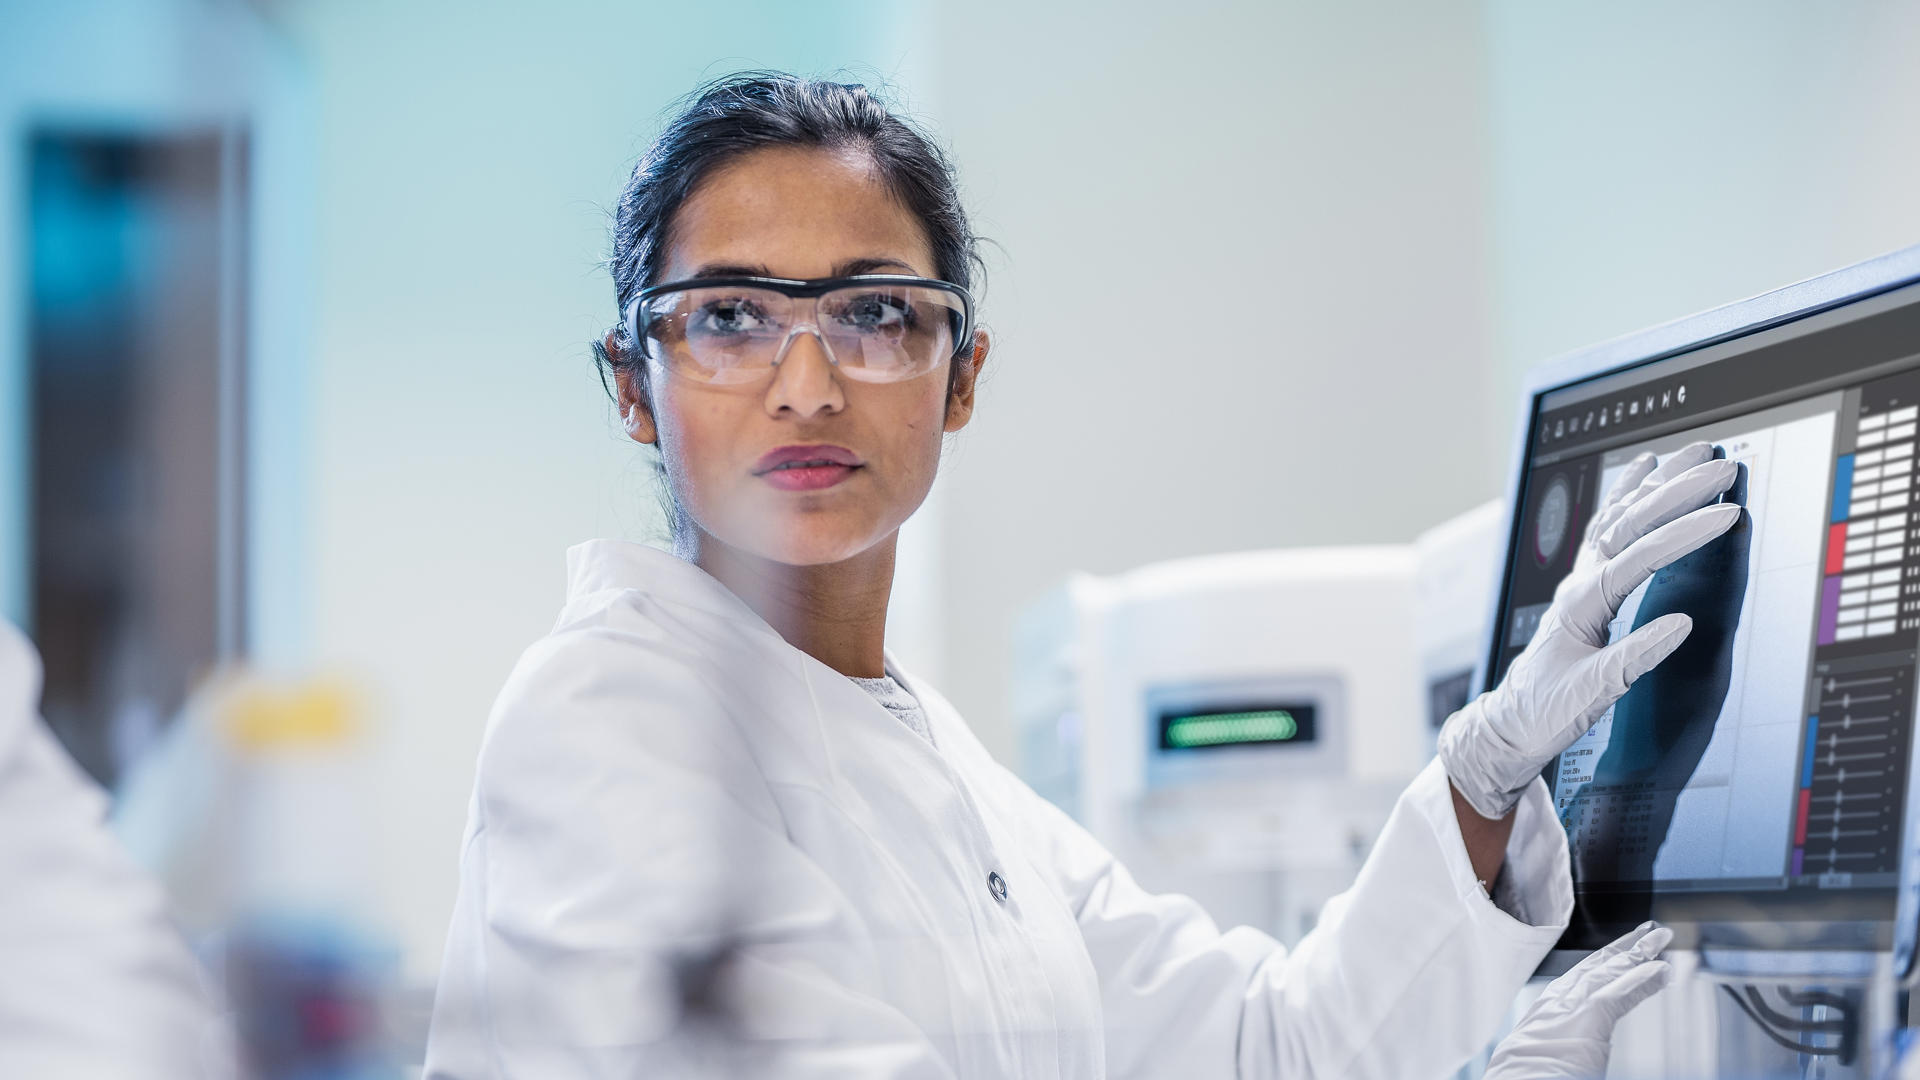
x=803 y=289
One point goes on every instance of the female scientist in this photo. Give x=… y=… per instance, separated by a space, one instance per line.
x=716 y=830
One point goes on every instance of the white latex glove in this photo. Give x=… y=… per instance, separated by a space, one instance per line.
x=1568 y=1033
x=1569 y=676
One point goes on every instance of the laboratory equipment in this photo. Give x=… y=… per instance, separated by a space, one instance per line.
x=1234 y=727
x=1755 y=792
x=1456 y=567
x=248 y=813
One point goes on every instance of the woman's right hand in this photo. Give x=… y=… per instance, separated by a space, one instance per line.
x=1569 y=675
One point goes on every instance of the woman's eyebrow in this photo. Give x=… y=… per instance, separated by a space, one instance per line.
x=716 y=270
x=848 y=268
x=868 y=266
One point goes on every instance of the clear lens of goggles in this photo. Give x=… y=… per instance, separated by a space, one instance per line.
x=872 y=332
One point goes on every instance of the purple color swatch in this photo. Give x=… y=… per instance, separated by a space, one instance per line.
x=1829 y=609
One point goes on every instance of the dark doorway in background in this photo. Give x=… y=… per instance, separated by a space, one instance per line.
x=136 y=310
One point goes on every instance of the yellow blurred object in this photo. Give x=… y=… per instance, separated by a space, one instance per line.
x=259 y=717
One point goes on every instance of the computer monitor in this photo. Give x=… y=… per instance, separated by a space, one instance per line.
x=1756 y=792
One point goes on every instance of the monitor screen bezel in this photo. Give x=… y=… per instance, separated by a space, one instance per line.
x=1730 y=322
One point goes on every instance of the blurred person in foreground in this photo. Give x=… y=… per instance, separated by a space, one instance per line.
x=95 y=984
x=717 y=829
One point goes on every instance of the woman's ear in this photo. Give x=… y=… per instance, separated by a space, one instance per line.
x=966 y=381
x=636 y=414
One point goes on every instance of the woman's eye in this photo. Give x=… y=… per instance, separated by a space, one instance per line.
x=728 y=317
x=877 y=313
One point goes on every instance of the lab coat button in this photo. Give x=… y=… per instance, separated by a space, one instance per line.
x=997 y=885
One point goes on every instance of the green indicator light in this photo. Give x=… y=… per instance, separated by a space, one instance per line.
x=1219 y=729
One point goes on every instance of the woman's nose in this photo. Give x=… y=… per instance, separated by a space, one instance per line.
x=805 y=380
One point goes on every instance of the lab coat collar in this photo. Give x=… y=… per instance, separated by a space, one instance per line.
x=596 y=566
x=599 y=565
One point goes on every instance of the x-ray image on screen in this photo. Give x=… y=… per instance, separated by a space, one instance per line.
x=1690 y=776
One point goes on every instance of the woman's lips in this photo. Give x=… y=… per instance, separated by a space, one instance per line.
x=807 y=468
x=807 y=477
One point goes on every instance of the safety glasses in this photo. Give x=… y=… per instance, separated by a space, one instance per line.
x=874 y=327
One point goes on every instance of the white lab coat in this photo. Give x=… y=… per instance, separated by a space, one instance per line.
x=94 y=982
x=670 y=795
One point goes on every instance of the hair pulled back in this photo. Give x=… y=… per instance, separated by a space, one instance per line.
x=737 y=114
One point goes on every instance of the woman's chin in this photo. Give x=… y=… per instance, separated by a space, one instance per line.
x=817 y=554
x=810 y=542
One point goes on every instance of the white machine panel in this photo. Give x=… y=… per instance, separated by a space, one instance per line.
x=1235 y=727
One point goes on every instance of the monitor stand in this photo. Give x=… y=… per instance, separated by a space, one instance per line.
x=1714 y=1023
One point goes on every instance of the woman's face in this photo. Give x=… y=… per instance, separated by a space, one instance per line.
x=799 y=213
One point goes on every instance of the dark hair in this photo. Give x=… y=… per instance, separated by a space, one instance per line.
x=747 y=111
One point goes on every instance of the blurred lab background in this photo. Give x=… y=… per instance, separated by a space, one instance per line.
x=295 y=298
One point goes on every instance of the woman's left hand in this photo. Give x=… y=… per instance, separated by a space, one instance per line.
x=1568 y=1033
x=1569 y=675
